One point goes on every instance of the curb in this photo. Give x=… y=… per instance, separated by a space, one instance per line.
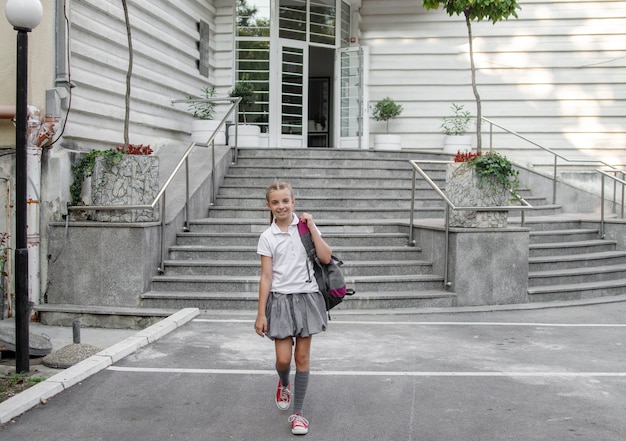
x=41 y=392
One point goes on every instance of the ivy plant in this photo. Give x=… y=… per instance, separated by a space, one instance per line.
x=495 y=171
x=84 y=167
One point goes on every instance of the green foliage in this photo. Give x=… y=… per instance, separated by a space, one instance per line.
x=12 y=384
x=495 y=170
x=493 y=10
x=386 y=109
x=203 y=110
x=245 y=90
x=84 y=167
x=4 y=249
x=458 y=123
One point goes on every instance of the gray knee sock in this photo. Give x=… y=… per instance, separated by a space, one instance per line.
x=301 y=384
x=284 y=376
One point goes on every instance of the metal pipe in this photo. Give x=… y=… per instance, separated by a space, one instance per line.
x=602 y=206
x=412 y=215
x=7 y=111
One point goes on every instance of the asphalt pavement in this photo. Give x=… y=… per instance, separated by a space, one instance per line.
x=523 y=373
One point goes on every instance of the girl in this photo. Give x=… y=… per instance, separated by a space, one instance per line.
x=290 y=303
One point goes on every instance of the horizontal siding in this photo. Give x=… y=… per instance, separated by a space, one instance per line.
x=165 y=50
x=556 y=75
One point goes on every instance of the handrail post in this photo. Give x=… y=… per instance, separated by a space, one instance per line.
x=161 y=268
x=602 y=207
x=622 y=216
x=213 y=173
x=554 y=180
x=490 y=136
x=622 y=173
x=412 y=214
x=186 y=227
x=446 y=247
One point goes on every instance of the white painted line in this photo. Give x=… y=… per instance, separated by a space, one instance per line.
x=532 y=324
x=368 y=373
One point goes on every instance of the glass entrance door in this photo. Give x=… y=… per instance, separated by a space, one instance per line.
x=352 y=117
x=293 y=89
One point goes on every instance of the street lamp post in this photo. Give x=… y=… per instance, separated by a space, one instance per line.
x=24 y=16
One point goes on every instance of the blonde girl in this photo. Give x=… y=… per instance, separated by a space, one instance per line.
x=290 y=306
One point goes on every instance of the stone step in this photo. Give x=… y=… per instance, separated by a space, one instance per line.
x=299 y=181
x=324 y=171
x=333 y=153
x=250 y=284
x=549 y=263
x=567 y=248
x=577 y=275
x=251 y=239
x=327 y=226
x=334 y=213
x=568 y=235
x=248 y=301
x=334 y=191
x=327 y=201
x=347 y=254
x=252 y=268
x=576 y=291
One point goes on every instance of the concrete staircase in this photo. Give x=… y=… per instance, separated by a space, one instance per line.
x=360 y=201
x=569 y=261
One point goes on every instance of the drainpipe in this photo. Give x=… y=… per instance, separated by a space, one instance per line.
x=33 y=191
x=39 y=134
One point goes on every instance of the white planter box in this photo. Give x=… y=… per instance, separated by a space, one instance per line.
x=202 y=129
x=387 y=142
x=452 y=144
x=247 y=135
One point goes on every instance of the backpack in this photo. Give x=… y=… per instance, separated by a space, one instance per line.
x=328 y=276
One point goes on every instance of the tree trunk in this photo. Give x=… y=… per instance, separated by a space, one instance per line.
x=474 y=88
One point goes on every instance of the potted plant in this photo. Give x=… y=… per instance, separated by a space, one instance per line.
x=248 y=135
x=204 y=124
x=124 y=175
x=481 y=180
x=455 y=128
x=385 y=110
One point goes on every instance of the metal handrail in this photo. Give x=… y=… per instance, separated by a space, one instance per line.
x=556 y=155
x=607 y=174
x=450 y=206
x=184 y=160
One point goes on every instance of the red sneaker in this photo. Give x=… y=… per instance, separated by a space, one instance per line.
x=299 y=425
x=283 y=396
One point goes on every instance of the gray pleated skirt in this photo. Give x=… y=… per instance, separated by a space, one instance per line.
x=295 y=315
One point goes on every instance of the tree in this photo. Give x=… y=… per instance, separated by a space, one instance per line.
x=493 y=10
x=129 y=74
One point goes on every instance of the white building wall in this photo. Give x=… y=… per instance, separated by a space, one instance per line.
x=555 y=75
x=164 y=36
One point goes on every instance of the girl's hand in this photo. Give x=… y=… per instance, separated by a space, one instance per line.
x=260 y=326
x=307 y=219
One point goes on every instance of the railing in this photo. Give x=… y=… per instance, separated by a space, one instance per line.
x=556 y=155
x=607 y=174
x=450 y=206
x=184 y=160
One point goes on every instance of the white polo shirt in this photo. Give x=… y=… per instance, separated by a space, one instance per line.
x=289 y=260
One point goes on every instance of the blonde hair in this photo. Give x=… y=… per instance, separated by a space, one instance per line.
x=276 y=186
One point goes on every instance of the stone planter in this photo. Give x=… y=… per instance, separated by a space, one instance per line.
x=134 y=180
x=462 y=188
